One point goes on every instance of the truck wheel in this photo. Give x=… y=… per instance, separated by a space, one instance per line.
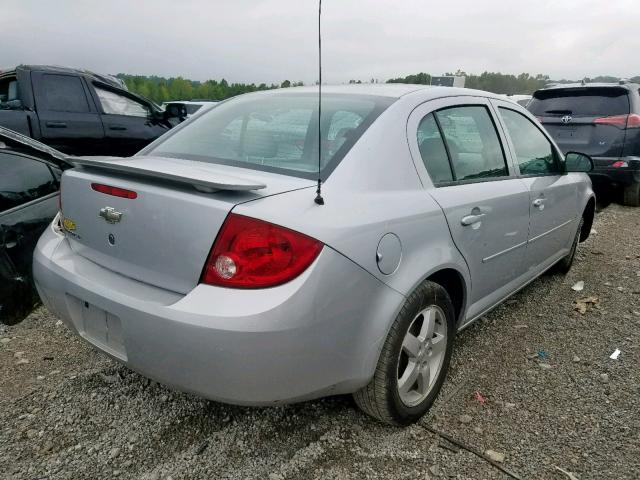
x=414 y=360
x=632 y=195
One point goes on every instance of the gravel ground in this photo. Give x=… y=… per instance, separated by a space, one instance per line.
x=548 y=396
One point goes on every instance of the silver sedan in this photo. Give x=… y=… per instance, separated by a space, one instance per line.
x=204 y=262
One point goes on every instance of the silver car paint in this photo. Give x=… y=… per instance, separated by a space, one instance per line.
x=300 y=340
x=162 y=239
x=380 y=187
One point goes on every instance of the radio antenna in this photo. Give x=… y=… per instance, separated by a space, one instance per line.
x=319 y=200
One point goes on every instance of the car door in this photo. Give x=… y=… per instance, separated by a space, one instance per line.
x=13 y=113
x=28 y=203
x=485 y=204
x=552 y=194
x=68 y=118
x=128 y=122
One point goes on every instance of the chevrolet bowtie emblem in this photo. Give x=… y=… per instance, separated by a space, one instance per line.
x=110 y=214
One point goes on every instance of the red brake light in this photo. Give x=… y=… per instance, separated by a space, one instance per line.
x=115 y=191
x=633 y=121
x=619 y=164
x=251 y=253
x=615 y=120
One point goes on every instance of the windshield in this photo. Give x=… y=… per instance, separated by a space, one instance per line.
x=276 y=133
x=585 y=102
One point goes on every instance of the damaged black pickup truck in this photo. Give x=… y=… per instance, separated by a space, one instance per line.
x=79 y=112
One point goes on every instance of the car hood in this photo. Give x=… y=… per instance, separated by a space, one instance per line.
x=14 y=139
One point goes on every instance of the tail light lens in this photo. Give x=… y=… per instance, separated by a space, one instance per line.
x=115 y=191
x=633 y=121
x=620 y=164
x=623 y=121
x=251 y=253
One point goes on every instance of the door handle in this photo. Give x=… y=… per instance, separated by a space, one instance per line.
x=471 y=219
x=117 y=127
x=56 y=125
x=539 y=203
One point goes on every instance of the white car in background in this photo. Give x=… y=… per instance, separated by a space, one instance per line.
x=191 y=106
x=520 y=99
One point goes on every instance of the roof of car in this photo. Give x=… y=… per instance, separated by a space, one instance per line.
x=393 y=90
x=105 y=78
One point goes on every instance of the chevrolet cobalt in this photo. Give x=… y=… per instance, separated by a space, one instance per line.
x=203 y=262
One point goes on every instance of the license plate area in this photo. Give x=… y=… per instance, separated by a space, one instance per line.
x=98 y=326
x=566 y=132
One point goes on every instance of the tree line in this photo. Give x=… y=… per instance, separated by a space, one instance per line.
x=160 y=89
x=505 y=83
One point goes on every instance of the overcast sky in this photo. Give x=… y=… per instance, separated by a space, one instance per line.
x=272 y=40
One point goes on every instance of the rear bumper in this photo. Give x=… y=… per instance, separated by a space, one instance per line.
x=317 y=335
x=604 y=172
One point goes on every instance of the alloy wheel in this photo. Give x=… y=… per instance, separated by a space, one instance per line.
x=422 y=354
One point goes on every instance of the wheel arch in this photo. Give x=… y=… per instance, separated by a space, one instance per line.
x=454 y=283
x=588 y=215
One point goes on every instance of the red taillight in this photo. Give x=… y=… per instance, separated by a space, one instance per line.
x=633 y=121
x=251 y=253
x=619 y=164
x=628 y=121
x=115 y=191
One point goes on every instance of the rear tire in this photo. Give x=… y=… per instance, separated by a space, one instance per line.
x=420 y=340
x=632 y=195
x=564 y=265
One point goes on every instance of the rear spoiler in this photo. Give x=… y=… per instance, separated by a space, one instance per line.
x=204 y=177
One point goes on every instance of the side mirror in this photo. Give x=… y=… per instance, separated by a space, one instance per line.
x=578 y=162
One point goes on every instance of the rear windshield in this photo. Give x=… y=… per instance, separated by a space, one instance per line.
x=585 y=102
x=276 y=133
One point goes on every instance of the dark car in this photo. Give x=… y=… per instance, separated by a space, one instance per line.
x=29 y=192
x=601 y=120
x=80 y=112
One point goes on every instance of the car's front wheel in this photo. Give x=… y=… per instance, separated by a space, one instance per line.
x=414 y=359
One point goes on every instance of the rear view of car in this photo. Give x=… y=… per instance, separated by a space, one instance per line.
x=601 y=120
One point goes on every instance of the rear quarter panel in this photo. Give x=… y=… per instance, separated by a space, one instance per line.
x=375 y=190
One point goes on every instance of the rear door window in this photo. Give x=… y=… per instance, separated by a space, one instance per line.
x=472 y=143
x=433 y=151
x=62 y=93
x=580 y=102
x=534 y=152
x=23 y=180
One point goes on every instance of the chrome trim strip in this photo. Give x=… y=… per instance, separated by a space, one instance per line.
x=495 y=255
x=549 y=231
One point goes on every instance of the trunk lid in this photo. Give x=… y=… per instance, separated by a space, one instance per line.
x=582 y=135
x=163 y=236
x=570 y=114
